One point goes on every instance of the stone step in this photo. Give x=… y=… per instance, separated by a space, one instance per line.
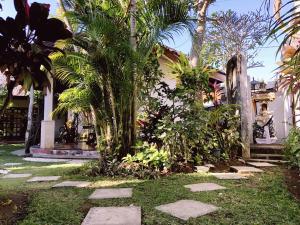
x=267 y=156
x=269 y=161
x=267 y=149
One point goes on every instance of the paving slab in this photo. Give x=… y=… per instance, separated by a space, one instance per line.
x=44 y=179
x=202 y=169
x=78 y=184
x=185 y=209
x=130 y=215
x=261 y=164
x=228 y=176
x=45 y=160
x=209 y=165
x=78 y=161
x=12 y=164
x=20 y=152
x=4 y=171
x=106 y=193
x=16 y=175
x=246 y=169
x=204 y=187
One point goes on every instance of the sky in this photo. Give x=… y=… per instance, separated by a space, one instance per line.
x=267 y=53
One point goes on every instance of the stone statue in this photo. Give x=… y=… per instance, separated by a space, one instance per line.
x=264 y=131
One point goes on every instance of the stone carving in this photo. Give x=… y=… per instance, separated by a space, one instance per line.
x=264 y=131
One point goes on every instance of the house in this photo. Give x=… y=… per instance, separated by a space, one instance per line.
x=13 y=123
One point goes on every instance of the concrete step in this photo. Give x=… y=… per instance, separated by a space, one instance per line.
x=267 y=149
x=267 y=156
x=269 y=161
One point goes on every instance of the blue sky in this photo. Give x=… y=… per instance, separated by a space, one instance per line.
x=183 y=43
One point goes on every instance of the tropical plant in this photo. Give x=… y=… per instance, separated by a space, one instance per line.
x=25 y=43
x=286 y=27
x=116 y=68
x=147 y=155
x=186 y=129
x=292 y=147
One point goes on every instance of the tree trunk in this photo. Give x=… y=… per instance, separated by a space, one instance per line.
x=198 y=39
x=110 y=109
x=133 y=42
x=63 y=9
x=28 y=134
x=95 y=123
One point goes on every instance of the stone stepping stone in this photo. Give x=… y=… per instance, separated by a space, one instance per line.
x=229 y=176
x=20 y=152
x=44 y=179
x=111 y=193
x=246 y=169
x=12 y=164
x=17 y=175
x=130 y=215
x=78 y=161
x=261 y=164
x=202 y=169
x=204 y=187
x=4 y=171
x=185 y=209
x=209 y=165
x=79 y=184
x=45 y=160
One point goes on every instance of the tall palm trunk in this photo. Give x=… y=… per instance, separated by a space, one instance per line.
x=133 y=42
x=63 y=9
x=198 y=39
x=110 y=108
x=28 y=134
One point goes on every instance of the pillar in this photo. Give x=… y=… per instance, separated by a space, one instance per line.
x=245 y=102
x=48 y=125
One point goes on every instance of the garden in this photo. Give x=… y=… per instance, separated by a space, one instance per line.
x=167 y=154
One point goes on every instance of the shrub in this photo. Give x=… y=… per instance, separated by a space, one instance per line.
x=292 y=147
x=148 y=156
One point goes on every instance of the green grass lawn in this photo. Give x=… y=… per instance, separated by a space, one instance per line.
x=263 y=199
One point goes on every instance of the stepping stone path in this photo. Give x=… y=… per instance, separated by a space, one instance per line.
x=12 y=164
x=209 y=165
x=20 y=152
x=44 y=179
x=45 y=160
x=4 y=171
x=204 y=187
x=261 y=164
x=246 y=169
x=185 y=209
x=228 y=176
x=111 y=193
x=202 y=169
x=16 y=175
x=79 y=184
x=113 y=216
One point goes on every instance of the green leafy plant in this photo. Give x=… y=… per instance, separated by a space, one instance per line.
x=292 y=147
x=149 y=156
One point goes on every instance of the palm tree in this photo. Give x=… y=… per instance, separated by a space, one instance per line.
x=287 y=26
x=107 y=43
x=28 y=133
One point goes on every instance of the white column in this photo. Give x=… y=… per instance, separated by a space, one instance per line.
x=48 y=125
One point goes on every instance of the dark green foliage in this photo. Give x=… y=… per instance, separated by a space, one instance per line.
x=292 y=147
x=25 y=44
x=186 y=129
